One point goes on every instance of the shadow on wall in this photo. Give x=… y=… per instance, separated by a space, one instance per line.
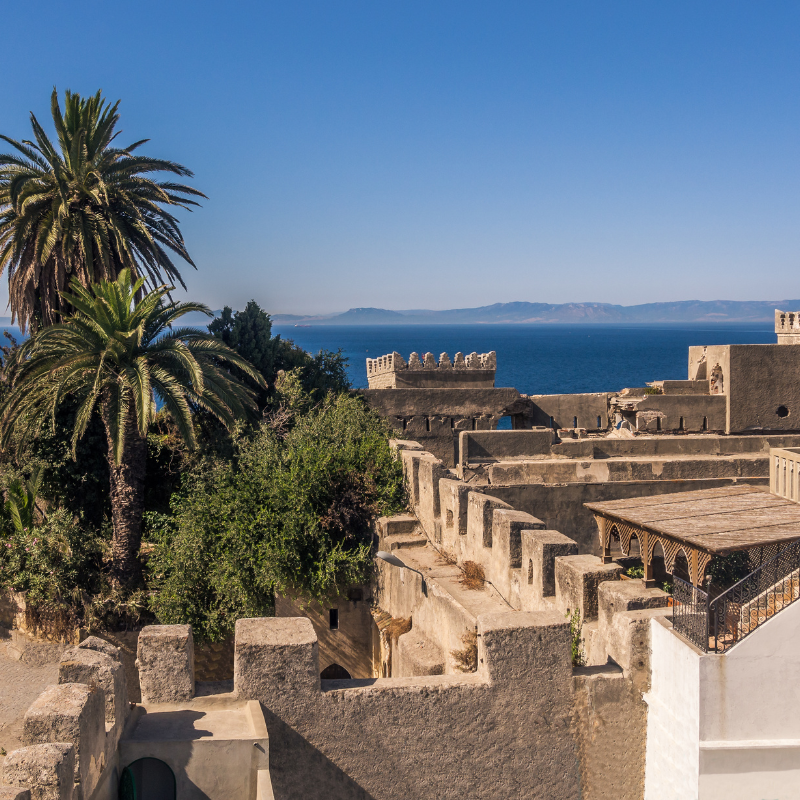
x=294 y=764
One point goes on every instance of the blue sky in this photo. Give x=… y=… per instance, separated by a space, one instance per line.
x=450 y=154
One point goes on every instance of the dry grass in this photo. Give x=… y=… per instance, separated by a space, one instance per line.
x=467 y=659
x=397 y=627
x=472 y=575
x=446 y=558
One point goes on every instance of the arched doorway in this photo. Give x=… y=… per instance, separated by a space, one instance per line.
x=335 y=673
x=147 y=779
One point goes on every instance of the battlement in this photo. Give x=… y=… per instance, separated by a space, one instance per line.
x=787 y=326
x=392 y=371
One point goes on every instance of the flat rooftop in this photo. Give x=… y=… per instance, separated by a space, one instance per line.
x=718 y=521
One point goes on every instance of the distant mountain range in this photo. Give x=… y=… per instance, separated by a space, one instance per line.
x=707 y=311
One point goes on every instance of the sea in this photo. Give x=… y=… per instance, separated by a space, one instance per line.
x=538 y=359
x=535 y=359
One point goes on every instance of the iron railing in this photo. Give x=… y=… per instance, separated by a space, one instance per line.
x=716 y=623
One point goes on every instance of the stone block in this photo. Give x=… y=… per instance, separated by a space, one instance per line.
x=275 y=656
x=48 y=770
x=540 y=548
x=480 y=508
x=165 y=659
x=627 y=643
x=453 y=502
x=73 y=713
x=94 y=668
x=415 y=654
x=515 y=646
x=577 y=581
x=101 y=646
x=616 y=596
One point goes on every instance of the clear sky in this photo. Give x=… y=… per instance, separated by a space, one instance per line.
x=446 y=154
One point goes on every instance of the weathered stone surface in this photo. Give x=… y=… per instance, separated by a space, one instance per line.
x=11 y=793
x=610 y=720
x=281 y=655
x=577 y=582
x=415 y=654
x=48 y=770
x=73 y=713
x=165 y=659
x=95 y=668
x=512 y=719
x=616 y=596
x=540 y=548
x=101 y=646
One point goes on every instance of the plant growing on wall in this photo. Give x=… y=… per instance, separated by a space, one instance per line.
x=575 y=624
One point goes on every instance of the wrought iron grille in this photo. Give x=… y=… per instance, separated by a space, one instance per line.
x=749 y=603
x=690 y=612
x=715 y=624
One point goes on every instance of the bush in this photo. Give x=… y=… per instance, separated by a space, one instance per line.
x=54 y=563
x=292 y=512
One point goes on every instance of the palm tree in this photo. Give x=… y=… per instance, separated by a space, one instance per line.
x=118 y=354
x=84 y=210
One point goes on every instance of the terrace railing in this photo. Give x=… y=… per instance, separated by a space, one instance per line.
x=715 y=624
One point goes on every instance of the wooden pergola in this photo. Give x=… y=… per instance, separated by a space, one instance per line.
x=700 y=524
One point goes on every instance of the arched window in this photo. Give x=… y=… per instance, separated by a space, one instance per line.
x=335 y=672
x=147 y=779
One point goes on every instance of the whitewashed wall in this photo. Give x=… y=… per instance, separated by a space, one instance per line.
x=725 y=727
x=673 y=718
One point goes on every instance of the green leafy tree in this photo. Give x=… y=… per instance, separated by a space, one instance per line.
x=21 y=503
x=84 y=209
x=116 y=354
x=292 y=513
x=249 y=333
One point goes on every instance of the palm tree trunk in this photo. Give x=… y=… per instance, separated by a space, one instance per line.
x=127 y=502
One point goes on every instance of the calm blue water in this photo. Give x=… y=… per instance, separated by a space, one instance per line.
x=538 y=359
x=535 y=359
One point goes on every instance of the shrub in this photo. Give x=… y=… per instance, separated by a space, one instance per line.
x=292 y=513
x=54 y=563
x=578 y=655
x=467 y=658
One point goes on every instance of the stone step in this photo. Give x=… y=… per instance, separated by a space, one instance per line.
x=403 y=540
x=400 y=523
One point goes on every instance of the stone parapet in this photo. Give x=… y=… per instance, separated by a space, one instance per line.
x=165 y=659
x=392 y=371
x=46 y=769
x=787 y=326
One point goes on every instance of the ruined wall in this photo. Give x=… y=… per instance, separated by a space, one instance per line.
x=761 y=383
x=351 y=643
x=589 y=411
x=435 y=417
x=475 y=371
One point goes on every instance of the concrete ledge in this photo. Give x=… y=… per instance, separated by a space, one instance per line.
x=417 y=655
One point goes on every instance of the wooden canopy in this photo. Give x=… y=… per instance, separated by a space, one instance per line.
x=702 y=524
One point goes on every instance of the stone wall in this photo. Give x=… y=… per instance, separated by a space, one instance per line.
x=499 y=733
x=352 y=644
x=475 y=371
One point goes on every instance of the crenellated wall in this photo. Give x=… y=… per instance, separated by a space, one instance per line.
x=475 y=371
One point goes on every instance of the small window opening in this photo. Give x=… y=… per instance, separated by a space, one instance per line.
x=574 y=422
x=405 y=424
x=530 y=570
x=705 y=423
x=552 y=422
x=428 y=424
x=681 y=425
x=474 y=424
x=333 y=617
x=452 y=423
x=782 y=411
x=599 y=423
x=658 y=423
